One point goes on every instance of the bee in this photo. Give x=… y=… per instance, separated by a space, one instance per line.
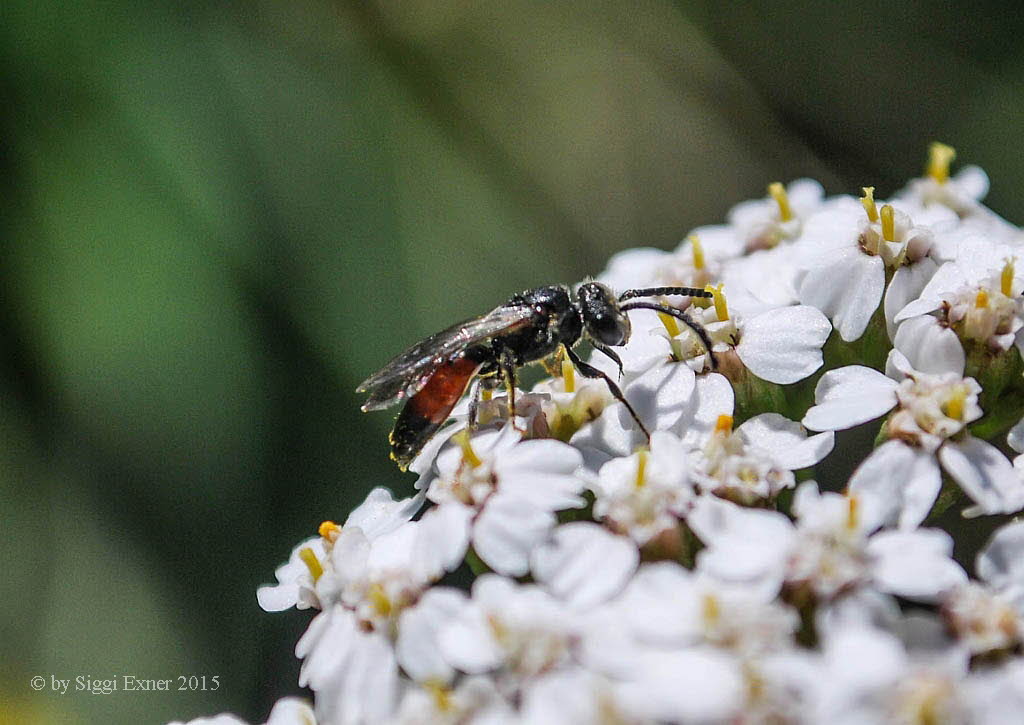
x=432 y=375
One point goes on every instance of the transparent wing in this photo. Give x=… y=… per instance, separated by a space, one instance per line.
x=406 y=374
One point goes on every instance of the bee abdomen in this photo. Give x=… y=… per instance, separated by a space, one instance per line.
x=427 y=411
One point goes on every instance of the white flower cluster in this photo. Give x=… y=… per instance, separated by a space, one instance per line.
x=701 y=575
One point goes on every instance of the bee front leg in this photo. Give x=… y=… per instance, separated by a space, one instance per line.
x=589 y=371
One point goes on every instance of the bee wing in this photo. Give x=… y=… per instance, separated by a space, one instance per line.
x=406 y=374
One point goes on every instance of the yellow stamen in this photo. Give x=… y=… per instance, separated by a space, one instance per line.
x=379 y=599
x=723 y=424
x=641 y=467
x=868 y=200
x=1006 y=277
x=486 y=394
x=670 y=323
x=939 y=158
x=468 y=454
x=981 y=299
x=852 y=512
x=568 y=376
x=710 y=609
x=778 y=192
x=329 y=530
x=441 y=694
x=888 y=223
x=721 y=308
x=311 y=562
x=954 y=407
x=698 y=252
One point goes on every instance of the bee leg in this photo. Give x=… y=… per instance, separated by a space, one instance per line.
x=589 y=371
x=474 y=403
x=507 y=363
x=610 y=353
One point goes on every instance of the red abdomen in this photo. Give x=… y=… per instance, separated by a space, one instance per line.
x=427 y=411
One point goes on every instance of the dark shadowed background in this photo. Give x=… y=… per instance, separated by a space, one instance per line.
x=220 y=216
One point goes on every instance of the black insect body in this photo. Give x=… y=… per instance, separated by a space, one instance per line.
x=434 y=373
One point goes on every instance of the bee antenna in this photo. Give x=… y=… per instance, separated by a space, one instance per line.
x=658 y=291
x=679 y=315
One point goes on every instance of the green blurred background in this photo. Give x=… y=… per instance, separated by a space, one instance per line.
x=219 y=217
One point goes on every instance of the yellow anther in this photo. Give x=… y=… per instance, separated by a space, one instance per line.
x=1006 y=277
x=311 y=562
x=868 y=200
x=641 y=467
x=468 y=454
x=486 y=394
x=698 y=252
x=888 y=216
x=568 y=376
x=940 y=156
x=710 y=609
x=981 y=299
x=379 y=600
x=670 y=323
x=721 y=308
x=329 y=530
x=778 y=192
x=723 y=424
x=954 y=407
x=441 y=694
x=852 y=512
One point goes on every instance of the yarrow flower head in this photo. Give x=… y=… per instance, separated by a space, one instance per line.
x=743 y=507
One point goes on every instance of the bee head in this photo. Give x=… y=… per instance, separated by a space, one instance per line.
x=602 y=318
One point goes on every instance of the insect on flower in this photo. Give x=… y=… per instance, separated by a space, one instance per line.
x=434 y=373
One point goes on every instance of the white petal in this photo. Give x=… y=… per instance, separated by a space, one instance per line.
x=548 y=492
x=1015 y=438
x=660 y=396
x=694 y=686
x=379 y=513
x=972 y=181
x=466 y=642
x=544 y=456
x=930 y=347
x=1001 y=562
x=507 y=530
x=744 y=546
x=906 y=285
x=419 y=628
x=278 y=598
x=850 y=396
x=786 y=440
x=985 y=474
x=847 y=288
x=902 y=480
x=584 y=564
x=713 y=397
x=291 y=711
x=915 y=564
x=442 y=538
x=804 y=330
